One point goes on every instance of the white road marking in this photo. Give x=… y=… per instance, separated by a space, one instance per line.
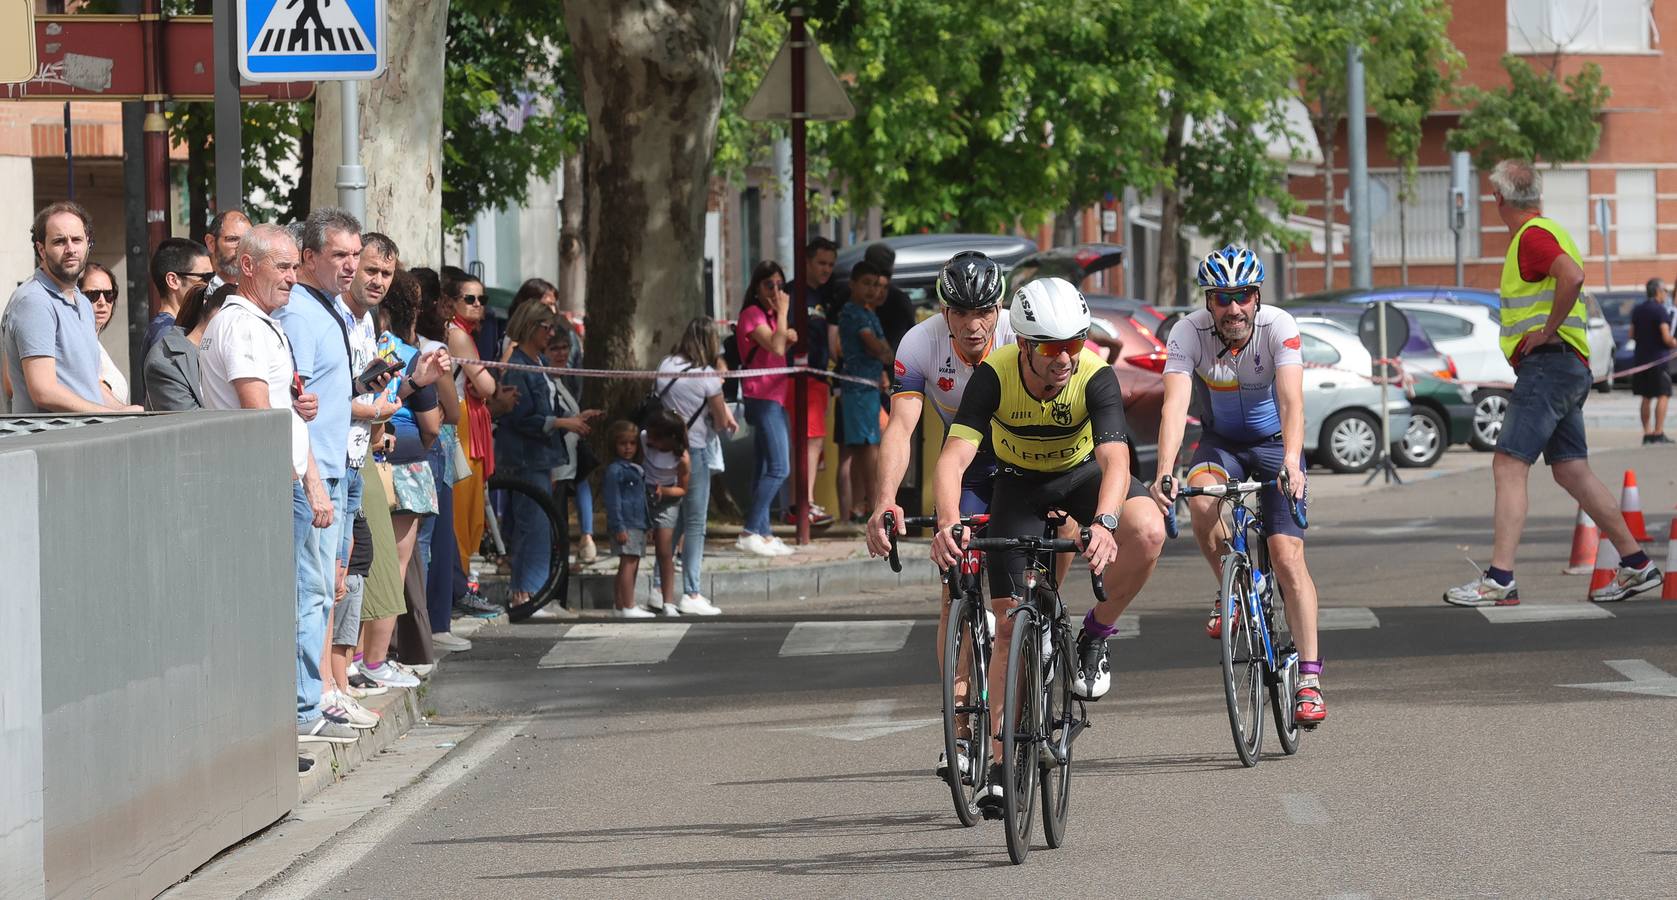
x=1305 y=809
x=1645 y=678
x=872 y=719
x=834 y=638
x=1129 y=626
x=1545 y=612
x=614 y=644
x=340 y=855
x=1345 y=618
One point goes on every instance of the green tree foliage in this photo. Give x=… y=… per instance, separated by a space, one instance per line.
x=269 y=137
x=1411 y=66
x=1537 y=116
x=510 y=107
x=979 y=114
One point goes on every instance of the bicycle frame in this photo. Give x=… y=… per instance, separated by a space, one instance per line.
x=1245 y=520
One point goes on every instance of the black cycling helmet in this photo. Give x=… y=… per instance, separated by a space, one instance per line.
x=970 y=280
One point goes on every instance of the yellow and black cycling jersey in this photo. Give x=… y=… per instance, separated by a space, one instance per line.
x=1052 y=435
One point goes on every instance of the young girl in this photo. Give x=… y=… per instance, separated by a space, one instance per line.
x=667 y=468
x=623 y=488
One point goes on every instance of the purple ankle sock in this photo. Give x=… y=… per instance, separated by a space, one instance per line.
x=1096 y=628
x=1310 y=667
x=1635 y=560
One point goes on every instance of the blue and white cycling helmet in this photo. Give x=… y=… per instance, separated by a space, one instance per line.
x=1231 y=268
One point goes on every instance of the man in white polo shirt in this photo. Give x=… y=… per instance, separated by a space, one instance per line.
x=245 y=362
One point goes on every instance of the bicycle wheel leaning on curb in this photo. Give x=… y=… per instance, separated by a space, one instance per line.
x=558 y=570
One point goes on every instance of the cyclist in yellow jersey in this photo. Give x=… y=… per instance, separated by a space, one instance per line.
x=1054 y=415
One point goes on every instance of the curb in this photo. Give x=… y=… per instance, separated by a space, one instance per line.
x=398 y=712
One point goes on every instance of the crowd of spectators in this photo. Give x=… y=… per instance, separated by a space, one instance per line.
x=393 y=441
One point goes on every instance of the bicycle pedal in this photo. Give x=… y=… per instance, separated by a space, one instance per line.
x=992 y=813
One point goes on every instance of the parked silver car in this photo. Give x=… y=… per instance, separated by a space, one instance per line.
x=1342 y=400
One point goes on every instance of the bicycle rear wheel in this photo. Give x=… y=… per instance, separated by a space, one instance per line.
x=548 y=506
x=965 y=651
x=1243 y=662
x=1059 y=716
x=1021 y=733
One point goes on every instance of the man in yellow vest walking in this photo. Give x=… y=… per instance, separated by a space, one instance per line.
x=1543 y=336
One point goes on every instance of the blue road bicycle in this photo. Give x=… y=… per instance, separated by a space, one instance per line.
x=1258 y=657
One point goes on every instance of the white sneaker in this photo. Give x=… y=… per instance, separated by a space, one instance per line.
x=668 y=610
x=756 y=545
x=697 y=605
x=389 y=675
x=450 y=641
x=779 y=546
x=359 y=716
x=633 y=612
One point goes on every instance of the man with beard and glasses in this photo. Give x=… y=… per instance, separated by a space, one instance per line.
x=47 y=334
x=1242 y=360
x=226 y=230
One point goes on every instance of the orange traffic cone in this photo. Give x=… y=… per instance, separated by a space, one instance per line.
x=1606 y=565
x=1630 y=504
x=1668 y=589
x=1585 y=535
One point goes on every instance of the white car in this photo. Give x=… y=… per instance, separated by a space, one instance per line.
x=1471 y=335
x=1342 y=400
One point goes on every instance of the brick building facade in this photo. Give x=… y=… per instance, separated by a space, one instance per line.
x=1634 y=169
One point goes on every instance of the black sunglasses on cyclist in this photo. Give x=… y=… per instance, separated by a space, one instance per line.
x=105 y=296
x=1241 y=296
x=471 y=299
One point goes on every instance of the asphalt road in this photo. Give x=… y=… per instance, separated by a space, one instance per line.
x=1516 y=752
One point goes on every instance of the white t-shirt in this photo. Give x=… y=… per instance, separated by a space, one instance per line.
x=363 y=346
x=686 y=395
x=928 y=365
x=242 y=341
x=661 y=467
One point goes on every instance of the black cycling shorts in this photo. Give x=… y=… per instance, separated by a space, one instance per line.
x=1021 y=501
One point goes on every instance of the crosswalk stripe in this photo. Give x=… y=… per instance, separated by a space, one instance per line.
x=1345 y=618
x=614 y=644
x=1129 y=626
x=1545 y=612
x=832 y=638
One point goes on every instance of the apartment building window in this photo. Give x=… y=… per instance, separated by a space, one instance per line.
x=1426 y=220
x=1636 y=220
x=1579 y=26
x=1566 y=199
x=751 y=231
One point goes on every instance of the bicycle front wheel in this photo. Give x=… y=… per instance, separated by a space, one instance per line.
x=1021 y=733
x=1059 y=717
x=1243 y=672
x=546 y=506
x=966 y=714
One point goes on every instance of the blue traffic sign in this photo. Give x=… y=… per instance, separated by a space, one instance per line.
x=311 y=40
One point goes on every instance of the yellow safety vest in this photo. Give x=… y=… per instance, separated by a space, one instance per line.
x=1526 y=305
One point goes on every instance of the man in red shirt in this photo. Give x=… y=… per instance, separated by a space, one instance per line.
x=1544 y=337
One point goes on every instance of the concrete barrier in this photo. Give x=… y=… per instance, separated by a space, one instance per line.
x=148 y=662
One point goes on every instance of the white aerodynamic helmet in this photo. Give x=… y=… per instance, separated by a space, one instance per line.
x=1049 y=309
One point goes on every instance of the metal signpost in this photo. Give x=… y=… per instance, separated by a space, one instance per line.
x=799 y=86
x=319 y=40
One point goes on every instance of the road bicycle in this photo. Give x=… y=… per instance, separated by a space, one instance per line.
x=1040 y=717
x=551 y=505
x=966 y=652
x=1258 y=657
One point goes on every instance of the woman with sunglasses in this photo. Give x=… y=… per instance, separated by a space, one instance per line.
x=171 y=370
x=100 y=289
x=463 y=303
x=1243 y=360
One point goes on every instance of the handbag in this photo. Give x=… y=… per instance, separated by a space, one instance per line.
x=386 y=474
x=462 y=463
x=586 y=461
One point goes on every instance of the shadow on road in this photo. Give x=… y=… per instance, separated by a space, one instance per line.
x=839 y=778
x=1152 y=765
x=864 y=862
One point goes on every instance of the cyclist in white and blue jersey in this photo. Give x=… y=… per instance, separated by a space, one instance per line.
x=1241 y=360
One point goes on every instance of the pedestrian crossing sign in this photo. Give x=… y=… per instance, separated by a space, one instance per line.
x=311 y=40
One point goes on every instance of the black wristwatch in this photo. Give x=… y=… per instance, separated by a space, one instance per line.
x=1107 y=521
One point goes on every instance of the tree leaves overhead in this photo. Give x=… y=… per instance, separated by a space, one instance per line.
x=510 y=107
x=1537 y=116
